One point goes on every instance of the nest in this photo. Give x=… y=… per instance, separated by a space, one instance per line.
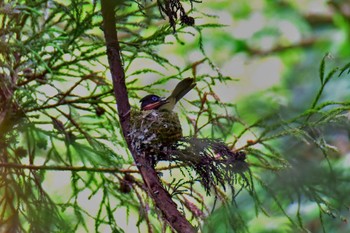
x=154 y=130
x=158 y=133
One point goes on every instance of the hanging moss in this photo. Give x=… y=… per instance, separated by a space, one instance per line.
x=214 y=163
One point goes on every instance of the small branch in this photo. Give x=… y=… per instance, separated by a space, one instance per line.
x=83 y=100
x=281 y=48
x=66 y=168
x=77 y=169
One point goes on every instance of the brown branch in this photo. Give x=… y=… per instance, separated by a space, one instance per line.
x=93 y=99
x=66 y=168
x=76 y=169
x=160 y=196
x=305 y=43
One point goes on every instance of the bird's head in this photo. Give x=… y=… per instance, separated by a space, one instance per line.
x=150 y=102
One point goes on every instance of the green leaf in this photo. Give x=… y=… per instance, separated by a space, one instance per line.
x=322 y=68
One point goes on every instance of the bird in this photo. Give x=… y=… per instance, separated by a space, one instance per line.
x=152 y=101
x=156 y=126
x=156 y=131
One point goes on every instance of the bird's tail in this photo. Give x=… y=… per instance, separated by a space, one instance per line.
x=182 y=88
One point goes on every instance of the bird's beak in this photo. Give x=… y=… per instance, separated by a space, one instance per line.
x=155 y=105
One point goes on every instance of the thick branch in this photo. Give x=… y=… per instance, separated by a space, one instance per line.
x=160 y=196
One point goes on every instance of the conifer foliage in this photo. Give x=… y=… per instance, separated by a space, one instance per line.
x=66 y=160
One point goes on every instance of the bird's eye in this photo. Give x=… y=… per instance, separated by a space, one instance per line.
x=154 y=98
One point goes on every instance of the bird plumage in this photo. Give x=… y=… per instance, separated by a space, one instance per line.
x=150 y=102
x=156 y=126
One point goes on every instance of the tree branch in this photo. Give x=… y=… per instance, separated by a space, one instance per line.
x=76 y=169
x=280 y=48
x=65 y=168
x=160 y=196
